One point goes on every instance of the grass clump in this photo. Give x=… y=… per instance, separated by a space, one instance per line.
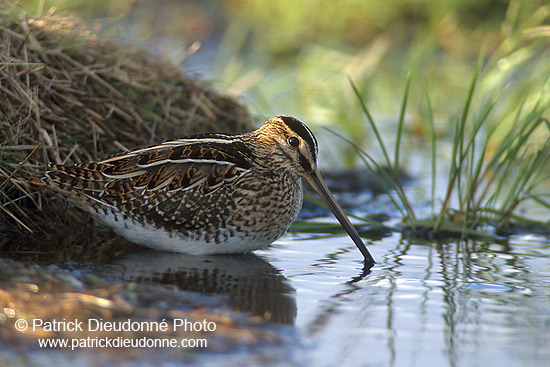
x=69 y=94
x=494 y=167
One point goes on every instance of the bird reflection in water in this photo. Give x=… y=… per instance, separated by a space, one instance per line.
x=253 y=285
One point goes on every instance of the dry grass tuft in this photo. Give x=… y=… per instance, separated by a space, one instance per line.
x=68 y=94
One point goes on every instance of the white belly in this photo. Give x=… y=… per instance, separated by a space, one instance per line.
x=160 y=239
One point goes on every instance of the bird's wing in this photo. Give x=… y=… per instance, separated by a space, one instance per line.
x=170 y=178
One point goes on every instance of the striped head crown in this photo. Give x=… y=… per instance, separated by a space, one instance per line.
x=294 y=142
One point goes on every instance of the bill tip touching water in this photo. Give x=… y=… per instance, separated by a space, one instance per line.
x=204 y=194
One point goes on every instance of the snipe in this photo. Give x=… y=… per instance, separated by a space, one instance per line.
x=203 y=194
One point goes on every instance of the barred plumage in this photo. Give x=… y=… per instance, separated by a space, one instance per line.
x=203 y=194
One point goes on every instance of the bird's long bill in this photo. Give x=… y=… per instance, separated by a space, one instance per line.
x=317 y=182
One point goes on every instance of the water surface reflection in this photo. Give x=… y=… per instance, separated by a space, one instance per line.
x=424 y=304
x=458 y=304
x=252 y=284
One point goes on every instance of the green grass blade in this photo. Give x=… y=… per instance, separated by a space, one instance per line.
x=367 y=113
x=401 y=122
x=383 y=179
x=433 y=148
x=539 y=201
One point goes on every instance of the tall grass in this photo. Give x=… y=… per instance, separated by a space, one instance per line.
x=486 y=181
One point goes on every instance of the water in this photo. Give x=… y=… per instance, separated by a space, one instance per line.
x=459 y=304
x=423 y=304
x=465 y=304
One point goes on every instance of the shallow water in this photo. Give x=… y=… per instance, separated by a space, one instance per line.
x=460 y=304
x=465 y=304
x=423 y=304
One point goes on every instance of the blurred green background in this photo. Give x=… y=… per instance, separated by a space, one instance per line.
x=298 y=57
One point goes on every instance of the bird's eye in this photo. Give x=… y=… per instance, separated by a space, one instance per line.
x=293 y=141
